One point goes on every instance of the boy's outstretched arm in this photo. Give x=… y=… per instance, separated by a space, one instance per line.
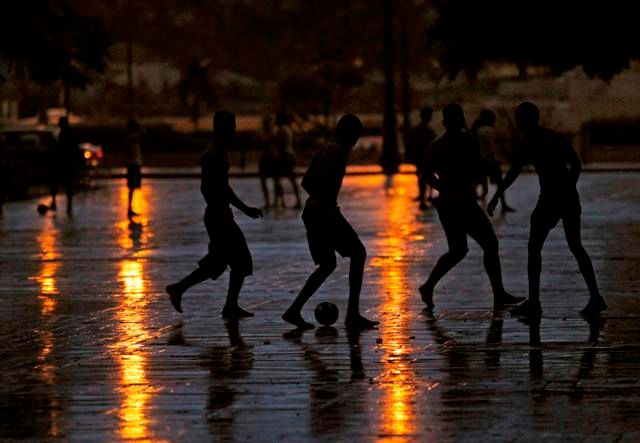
x=248 y=210
x=508 y=180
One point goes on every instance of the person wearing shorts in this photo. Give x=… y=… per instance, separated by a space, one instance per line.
x=328 y=231
x=558 y=169
x=227 y=245
x=454 y=166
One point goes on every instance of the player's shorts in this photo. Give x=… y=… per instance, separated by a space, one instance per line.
x=549 y=210
x=134 y=176
x=329 y=232
x=465 y=218
x=227 y=246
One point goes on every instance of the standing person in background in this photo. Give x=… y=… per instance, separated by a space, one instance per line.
x=287 y=159
x=419 y=139
x=134 y=165
x=268 y=165
x=484 y=128
x=67 y=164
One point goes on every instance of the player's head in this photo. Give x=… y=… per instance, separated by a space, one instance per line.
x=224 y=125
x=63 y=122
x=283 y=118
x=487 y=117
x=425 y=114
x=133 y=126
x=527 y=117
x=453 y=117
x=348 y=130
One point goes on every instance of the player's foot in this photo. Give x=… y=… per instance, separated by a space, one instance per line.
x=594 y=307
x=507 y=208
x=529 y=309
x=235 y=313
x=426 y=294
x=506 y=299
x=175 y=295
x=355 y=322
x=296 y=320
x=132 y=213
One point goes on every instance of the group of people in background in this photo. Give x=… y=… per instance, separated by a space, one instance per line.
x=453 y=165
x=491 y=152
x=277 y=160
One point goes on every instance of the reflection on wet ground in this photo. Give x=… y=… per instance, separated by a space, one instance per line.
x=94 y=352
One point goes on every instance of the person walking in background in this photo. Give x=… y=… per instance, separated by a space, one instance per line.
x=227 y=245
x=284 y=144
x=268 y=165
x=453 y=169
x=484 y=129
x=419 y=139
x=134 y=164
x=558 y=169
x=328 y=231
x=67 y=164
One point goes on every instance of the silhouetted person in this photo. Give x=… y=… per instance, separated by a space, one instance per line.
x=283 y=139
x=453 y=169
x=558 y=169
x=328 y=231
x=419 y=139
x=268 y=165
x=67 y=164
x=227 y=245
x=134 y=165
x=484 y=129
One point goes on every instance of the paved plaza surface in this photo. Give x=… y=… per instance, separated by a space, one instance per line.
x=93 y=351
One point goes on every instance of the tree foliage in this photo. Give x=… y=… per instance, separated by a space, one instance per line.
x=49 y=40
x=555 y=34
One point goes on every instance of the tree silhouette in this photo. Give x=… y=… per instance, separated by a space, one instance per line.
x=49 y=41
x=557 y=35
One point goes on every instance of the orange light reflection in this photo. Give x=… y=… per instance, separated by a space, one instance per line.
x=396 y=216
x=47 y=279
x=131 y=317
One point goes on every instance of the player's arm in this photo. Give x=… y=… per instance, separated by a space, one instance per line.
x=575 y=167
x=248 y=210
x=429 y=168
x=512 y=175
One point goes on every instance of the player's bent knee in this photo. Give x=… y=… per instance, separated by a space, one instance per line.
x=457 y=254
x=359 y=254
x=327 y=268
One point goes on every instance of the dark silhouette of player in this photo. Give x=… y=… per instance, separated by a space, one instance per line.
x=283 y=139
x=453 y=168
x=328 y=231
x=134 y=165
x=417 y=143
x=484 y=130
x=227 y=245
x=67 y=161
x=268 y=165
x=558 y=169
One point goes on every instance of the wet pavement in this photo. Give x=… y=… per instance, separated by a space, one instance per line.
x=94 y=352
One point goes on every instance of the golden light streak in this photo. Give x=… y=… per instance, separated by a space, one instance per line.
x=49 y=255
x=131 y=317
x=399 y=413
